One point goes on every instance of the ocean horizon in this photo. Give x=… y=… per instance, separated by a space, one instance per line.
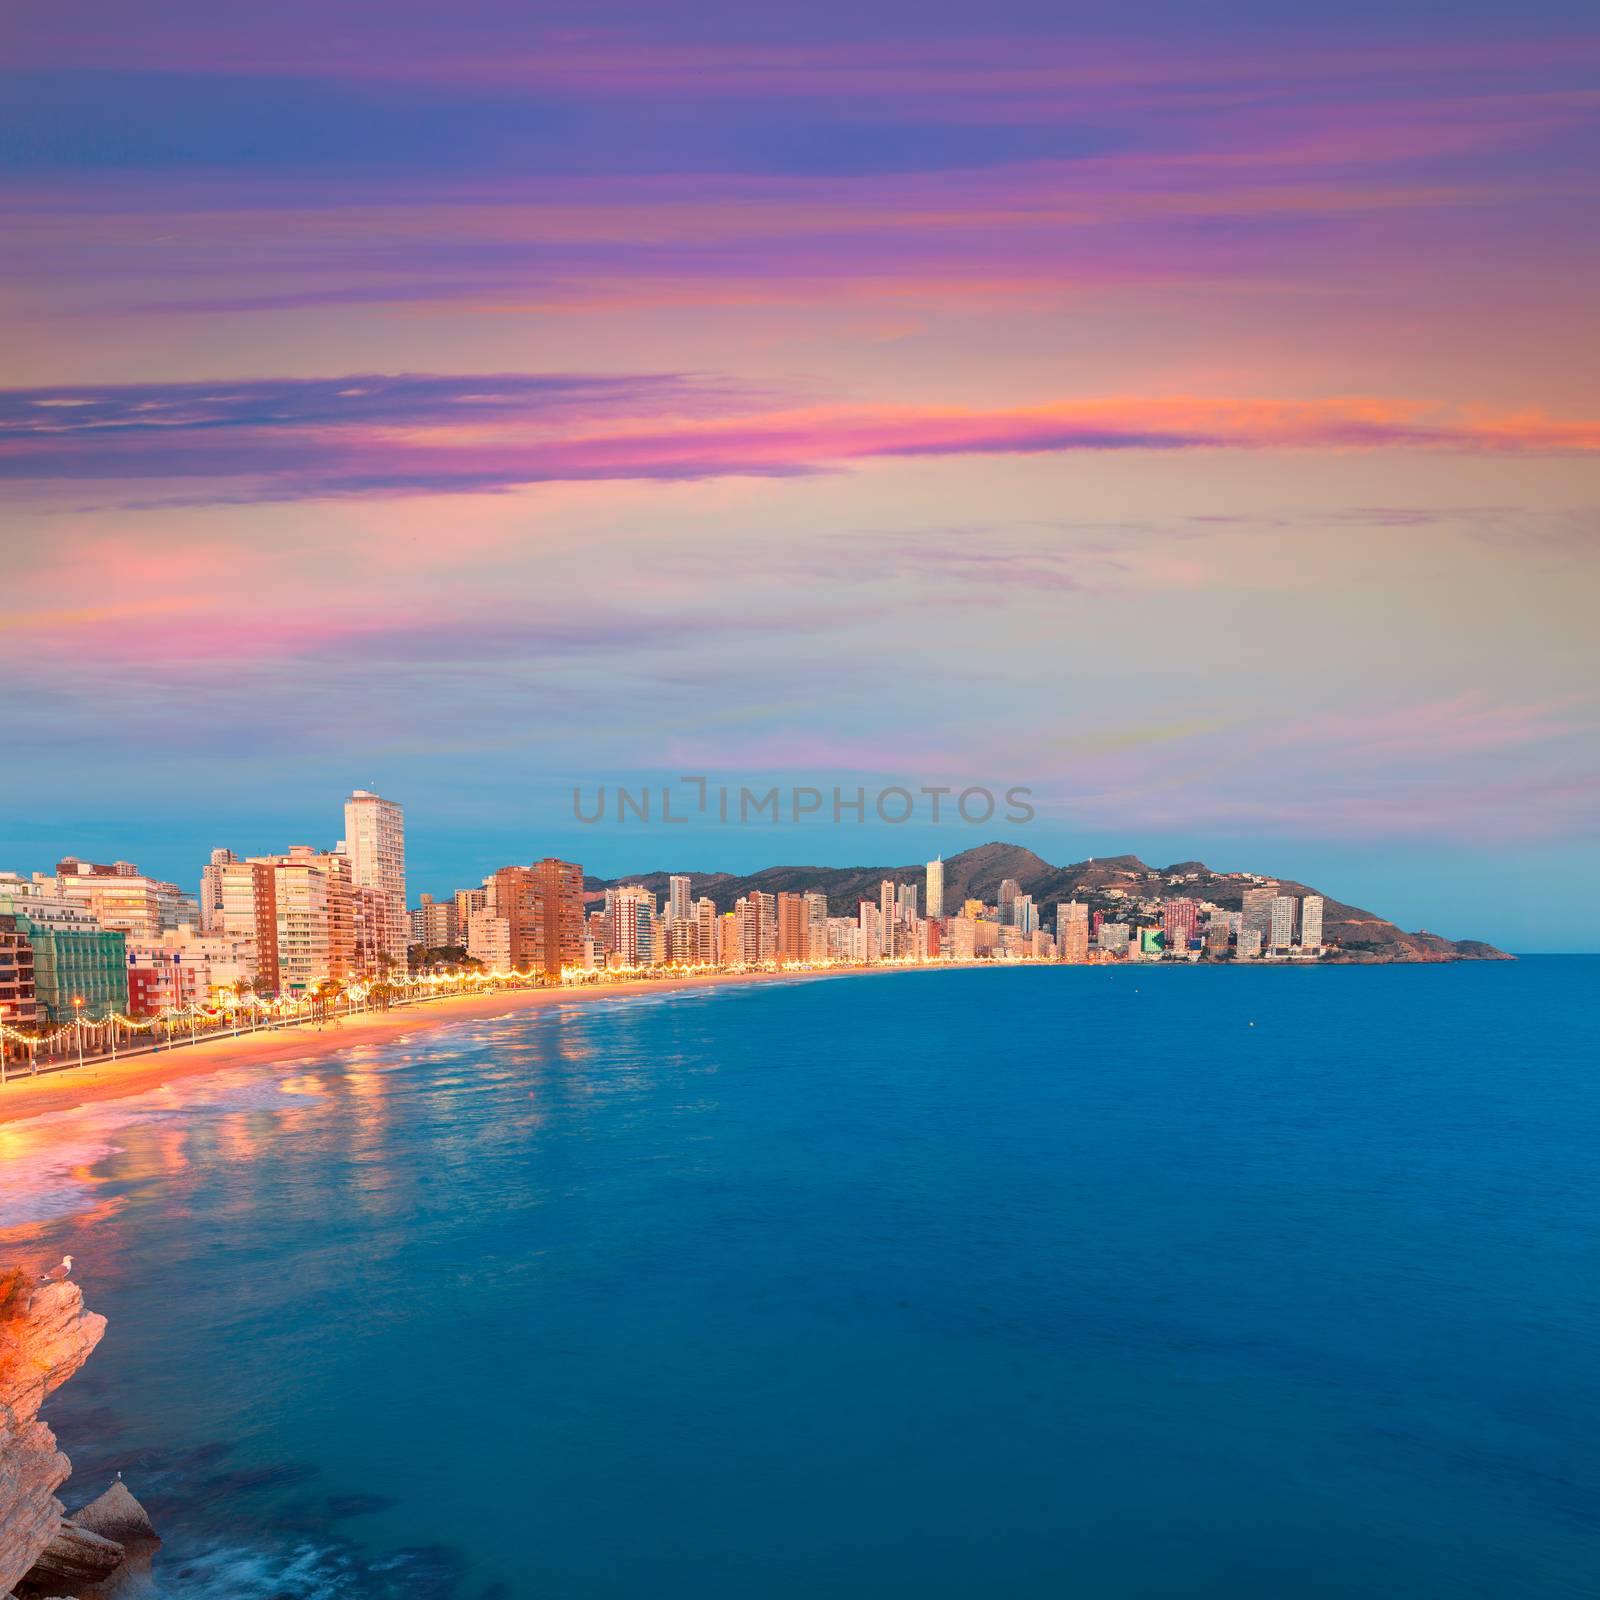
x=1119 y=1281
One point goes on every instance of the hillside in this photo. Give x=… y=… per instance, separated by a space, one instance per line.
x=1105 y=883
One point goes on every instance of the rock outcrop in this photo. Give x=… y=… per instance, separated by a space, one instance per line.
x=73 y=1558
x=45 y=1337
x=116 y=1515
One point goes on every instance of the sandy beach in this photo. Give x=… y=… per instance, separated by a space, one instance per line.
x=76 y=1086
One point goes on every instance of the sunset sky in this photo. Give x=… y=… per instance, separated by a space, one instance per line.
x=1190 y=413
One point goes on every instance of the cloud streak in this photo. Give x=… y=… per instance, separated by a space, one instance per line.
x=367 y=435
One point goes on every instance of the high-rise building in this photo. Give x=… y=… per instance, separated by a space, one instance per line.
x=1072 y=931
x=886 y=918
x=630 y=935
x=372 y=913
x=1282 y=923
x=1023 y=917
x=1311 y=922
x=1009 y=890
x=761 y=926
x=544 y=905
x=436 y=924
x=794 y=939
x=375 y=841
x=468 y=901
x=730 y=936
x=248 y=910
x=706 y=953
x=557 y=915
x=817 y=948
x=211 y=890
x=678 y=897
x=1179 y=920
x=1256 y=914
x=871 y=925
x=315 y=906
x=935 y=895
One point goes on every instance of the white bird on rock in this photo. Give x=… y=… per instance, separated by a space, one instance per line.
x=60 y=1274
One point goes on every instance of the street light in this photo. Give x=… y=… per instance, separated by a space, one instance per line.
x=77 y=1004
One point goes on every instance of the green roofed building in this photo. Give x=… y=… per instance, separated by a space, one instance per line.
x=73 y=956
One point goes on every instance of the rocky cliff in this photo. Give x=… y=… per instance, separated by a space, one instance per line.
x=45 y=1337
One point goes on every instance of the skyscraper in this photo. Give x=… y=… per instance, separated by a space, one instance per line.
x=935 y=895
x=1282 y=925
x=375 y=842
x=678 y=898
x=1009 y=890
x=1311 y=922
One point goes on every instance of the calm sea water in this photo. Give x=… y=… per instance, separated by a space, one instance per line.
x=1023 y=1282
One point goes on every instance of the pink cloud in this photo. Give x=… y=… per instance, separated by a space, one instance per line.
x=294 y=439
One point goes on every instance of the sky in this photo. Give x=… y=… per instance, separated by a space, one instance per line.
x=1191 y=415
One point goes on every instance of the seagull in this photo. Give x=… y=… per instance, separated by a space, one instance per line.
x=60 y=1274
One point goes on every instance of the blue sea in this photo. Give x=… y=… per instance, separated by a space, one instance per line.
x=1118 y=1283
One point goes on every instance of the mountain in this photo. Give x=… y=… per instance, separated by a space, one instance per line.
x=1105 y=883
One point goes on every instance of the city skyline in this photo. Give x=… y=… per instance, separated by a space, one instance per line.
x=1195 y=424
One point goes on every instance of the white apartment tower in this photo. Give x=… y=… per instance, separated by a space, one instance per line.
x=678 y=898
x=935 y=895
x=375 y=842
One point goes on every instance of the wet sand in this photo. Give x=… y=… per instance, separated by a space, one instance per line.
x=105 y=1080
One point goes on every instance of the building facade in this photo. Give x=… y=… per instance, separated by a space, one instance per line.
x=74 y=958
x=375 y=842
x=249 y=911
x=124 y=900
x=211 y=890
x=19 y=1005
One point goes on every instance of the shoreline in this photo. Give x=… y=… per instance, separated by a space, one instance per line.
x=67 y=1089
